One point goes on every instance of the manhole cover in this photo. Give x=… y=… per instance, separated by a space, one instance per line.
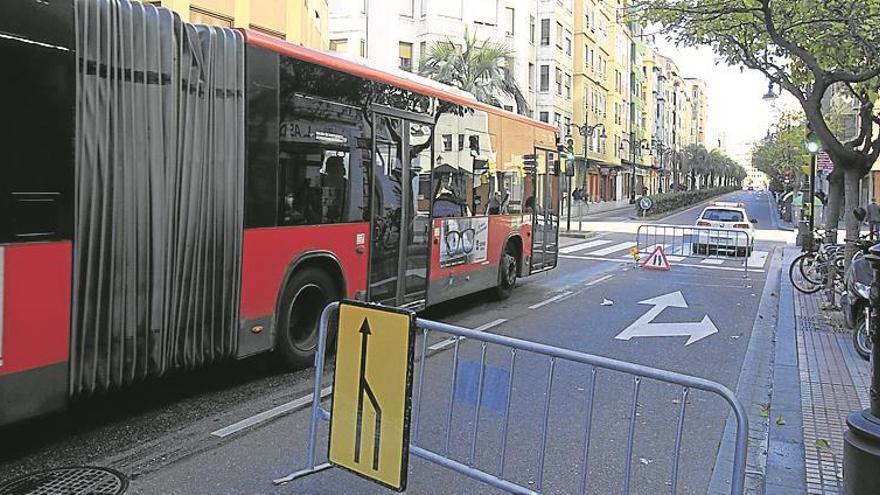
x=68 y=481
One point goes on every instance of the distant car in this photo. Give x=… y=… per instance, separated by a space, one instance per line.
x=727 y=217
x=751 y=188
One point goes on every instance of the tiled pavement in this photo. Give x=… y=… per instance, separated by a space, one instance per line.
x=833 y=382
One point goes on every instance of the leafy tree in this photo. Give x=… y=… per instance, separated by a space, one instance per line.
x=805 y=47
x=706 y=168
x=782 y=152
x=482 y=68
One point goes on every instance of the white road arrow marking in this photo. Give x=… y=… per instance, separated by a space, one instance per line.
x=643 y=327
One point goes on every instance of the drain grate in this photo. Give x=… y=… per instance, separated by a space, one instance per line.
x=81 y=480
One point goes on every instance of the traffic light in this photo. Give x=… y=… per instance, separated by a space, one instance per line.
x=566 y=156
x=812 y=144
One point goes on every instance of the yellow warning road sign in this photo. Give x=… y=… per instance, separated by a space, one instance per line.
x=372 y=385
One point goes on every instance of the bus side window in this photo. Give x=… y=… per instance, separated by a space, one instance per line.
x=314 y=186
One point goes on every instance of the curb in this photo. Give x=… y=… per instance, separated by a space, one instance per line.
x=786 y=470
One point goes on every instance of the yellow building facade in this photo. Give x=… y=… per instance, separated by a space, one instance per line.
x=597 y=95
x=303 y=22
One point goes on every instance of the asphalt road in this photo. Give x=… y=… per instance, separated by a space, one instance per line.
x=160 y=434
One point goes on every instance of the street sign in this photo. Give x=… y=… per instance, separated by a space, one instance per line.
x=646 y=203
x=823 y=162
x=372 y=385
x=657 y=260
x=643 y=327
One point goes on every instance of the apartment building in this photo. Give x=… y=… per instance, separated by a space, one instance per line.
x=398 y=34
x=555 y=63
x=699 y=110
x=299 y=21
x=596 y=93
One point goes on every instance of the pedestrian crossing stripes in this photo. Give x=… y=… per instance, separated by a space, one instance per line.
x=583 y=245
x=612 y=250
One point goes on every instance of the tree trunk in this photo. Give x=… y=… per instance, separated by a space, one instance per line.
x=852 y=181
x=833 y=206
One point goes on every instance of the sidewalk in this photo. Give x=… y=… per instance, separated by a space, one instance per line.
x=818 y=379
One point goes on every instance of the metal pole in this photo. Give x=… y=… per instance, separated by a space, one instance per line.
x=812 y=192
x=568 y=202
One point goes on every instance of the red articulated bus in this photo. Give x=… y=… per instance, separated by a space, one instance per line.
x=174 y=195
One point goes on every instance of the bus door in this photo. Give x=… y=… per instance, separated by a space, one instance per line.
x=545 y=214
x=400 y=208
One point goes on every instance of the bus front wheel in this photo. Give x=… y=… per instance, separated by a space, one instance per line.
x=303 y=300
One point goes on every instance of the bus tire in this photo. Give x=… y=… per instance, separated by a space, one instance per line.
x=304 y=298
x=507 y=273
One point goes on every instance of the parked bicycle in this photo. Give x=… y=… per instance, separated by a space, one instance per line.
x=809 y=272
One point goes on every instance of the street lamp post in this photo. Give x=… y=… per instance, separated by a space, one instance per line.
x=641 y=144
x=586 y=131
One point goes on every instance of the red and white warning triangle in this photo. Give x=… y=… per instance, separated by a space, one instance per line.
x=657 y=260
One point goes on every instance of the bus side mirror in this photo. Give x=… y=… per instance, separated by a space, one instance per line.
x=754 y=220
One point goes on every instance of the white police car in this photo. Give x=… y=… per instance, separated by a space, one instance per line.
x=728 y=218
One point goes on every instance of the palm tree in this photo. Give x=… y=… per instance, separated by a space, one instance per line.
x=482 y=68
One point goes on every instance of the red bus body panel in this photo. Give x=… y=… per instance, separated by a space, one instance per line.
x=36 y=328
x=269 y=253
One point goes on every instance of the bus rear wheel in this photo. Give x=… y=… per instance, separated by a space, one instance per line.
x=507 y=273
x=303 y=300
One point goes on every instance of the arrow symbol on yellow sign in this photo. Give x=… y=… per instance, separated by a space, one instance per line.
x=365 y=389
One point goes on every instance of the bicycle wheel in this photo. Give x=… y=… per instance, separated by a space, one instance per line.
x=798 y=280
x=811 y=268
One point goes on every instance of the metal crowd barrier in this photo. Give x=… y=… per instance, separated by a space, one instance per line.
x=553 y=356
x=695 y=242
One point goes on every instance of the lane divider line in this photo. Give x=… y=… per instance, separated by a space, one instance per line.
x=598 y=280
x=551 y=300
x=451 y=340
x=264 y=416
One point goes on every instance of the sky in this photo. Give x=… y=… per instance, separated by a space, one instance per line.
x=737 y=112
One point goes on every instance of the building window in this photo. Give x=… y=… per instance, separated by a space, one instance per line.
x=531 y=76
x=559 y=81
x=545 y=78
x=557 y=121
x=568 y=86
x=340 y=45
x=568 y=43
x=363 y=50
x=406 y=51
x=532 y=29
x=509 y=18
x=461 y=142
x=407 y=8
x=559 y=35
x=447 y=142
x=545 y=32
x=509 y=108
